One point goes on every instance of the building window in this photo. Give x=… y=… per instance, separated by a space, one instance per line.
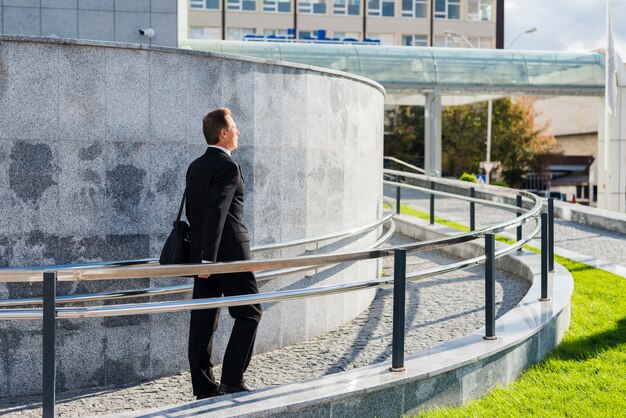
x=317 y=7
x=275 y=32
x=380 y=8
x=484 y=42
x=450 y=42
x=347 y=35
x=384 y=38
x=277 y=6
x=479 y=10
x=205 y=4
x=203 y=32
x=415 y=40
x=448 y=9
x=237 y=34
x=238 y=5
x=347 y=7
x=415 y=8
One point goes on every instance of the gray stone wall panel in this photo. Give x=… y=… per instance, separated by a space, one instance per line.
x=25 y=373
x=33 y=189
x=163 y=6
x=60 y=4
x=204 y=92
x=127 y=89
x=133 y=5
x=82 y=94
x=96 y=4
x=168 y=164
x=22 y=3
x=33 y=71
x=165 y=26
x=59 y=22
x=96 y=24
x=90 y=337
x=168 y=99
x=82 y=190
x=21 y=20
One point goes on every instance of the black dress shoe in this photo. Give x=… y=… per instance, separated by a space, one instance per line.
x=215 y=392
x=233 y=389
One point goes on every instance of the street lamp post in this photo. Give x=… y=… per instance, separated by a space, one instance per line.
x=527 y=31
x=489 y=104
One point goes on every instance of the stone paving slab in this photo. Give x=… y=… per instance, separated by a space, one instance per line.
x=438 y=309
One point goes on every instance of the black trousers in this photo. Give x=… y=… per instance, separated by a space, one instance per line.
x=204 y=323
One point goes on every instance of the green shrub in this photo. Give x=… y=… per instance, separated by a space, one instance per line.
x=499 y=183
x=468 y=177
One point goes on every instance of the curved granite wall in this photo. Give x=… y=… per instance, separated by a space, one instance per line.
x=95 y=140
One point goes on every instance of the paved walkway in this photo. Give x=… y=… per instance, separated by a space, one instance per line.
x=582 y=241
x=438 y=309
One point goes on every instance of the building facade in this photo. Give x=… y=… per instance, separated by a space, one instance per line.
x=105 y=20
x=453 y=23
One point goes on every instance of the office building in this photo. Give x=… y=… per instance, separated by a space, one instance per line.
x=452 y=23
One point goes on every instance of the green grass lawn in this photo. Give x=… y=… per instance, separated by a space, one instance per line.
x=585 y=376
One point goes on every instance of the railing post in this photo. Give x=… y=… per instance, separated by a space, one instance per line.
x=551 y=235
x=490 y=287
x=399 y=292
x=519 y=228
x=49 y=338
x=432 y=204
x=545 y=226
x=398 y=195
x=472 y=210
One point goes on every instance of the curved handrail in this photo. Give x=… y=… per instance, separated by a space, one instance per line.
x=411 y=166
x=228 y=301
x=4 y=272
x=165 y=290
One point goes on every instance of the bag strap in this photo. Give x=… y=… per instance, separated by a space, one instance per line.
x=182 y=204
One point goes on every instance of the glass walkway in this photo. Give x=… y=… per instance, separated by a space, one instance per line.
x=449 y=70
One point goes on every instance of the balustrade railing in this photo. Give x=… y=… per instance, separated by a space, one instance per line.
x=270 y=268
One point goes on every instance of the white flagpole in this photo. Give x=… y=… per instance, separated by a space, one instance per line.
x=608 y=83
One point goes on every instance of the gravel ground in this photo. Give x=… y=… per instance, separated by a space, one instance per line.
x=438 y=309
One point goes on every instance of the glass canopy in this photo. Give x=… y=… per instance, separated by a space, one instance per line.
x=457 y=70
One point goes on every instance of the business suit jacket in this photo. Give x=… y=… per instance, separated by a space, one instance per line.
x=215 y=195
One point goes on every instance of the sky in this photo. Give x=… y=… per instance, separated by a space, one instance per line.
x=564 y=25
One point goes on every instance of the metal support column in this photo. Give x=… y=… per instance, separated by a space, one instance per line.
x=432 y=204
x=490 y=287
x=399 y=292
x=432 y=134
x=519 y=228
x=398 y=195
x=49 y=337
x=551 y=235
x=472 y=210
x=544 y=256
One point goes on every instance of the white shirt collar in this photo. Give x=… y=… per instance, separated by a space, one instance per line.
x=221 y=148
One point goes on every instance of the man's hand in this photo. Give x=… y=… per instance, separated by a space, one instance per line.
x=205 y=276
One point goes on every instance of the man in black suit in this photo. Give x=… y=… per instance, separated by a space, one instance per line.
x=215 y=194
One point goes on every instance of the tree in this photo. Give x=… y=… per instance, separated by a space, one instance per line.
x=515 y=141
x=404 y=134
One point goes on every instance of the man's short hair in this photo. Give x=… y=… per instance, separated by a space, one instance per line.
x=213 y=123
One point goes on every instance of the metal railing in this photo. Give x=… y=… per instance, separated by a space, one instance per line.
x=133 y=269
